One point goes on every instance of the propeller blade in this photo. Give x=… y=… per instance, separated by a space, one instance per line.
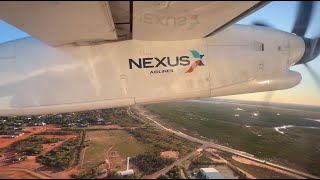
x=261 y=23
x=316 y=48
x=303 y=17
x=312 y=50
x=268 y=96
x=314 y=76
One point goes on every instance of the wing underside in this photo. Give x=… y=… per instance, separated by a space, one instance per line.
x=57 y=23
x=184 y=20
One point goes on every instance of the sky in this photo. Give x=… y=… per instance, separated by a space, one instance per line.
x=280 y=15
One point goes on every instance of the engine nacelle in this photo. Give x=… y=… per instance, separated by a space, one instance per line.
x=281 y=81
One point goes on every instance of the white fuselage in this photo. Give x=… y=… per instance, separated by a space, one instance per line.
x=39 y=79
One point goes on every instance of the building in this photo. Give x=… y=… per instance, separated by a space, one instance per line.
x=82 y=124
x=210 y=173
x=40 y=124
x=18 y=133
x=59 y=115
x=127 y=172
x=2 y=121
x=9 y=136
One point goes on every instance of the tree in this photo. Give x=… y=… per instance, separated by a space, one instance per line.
x=162 y=176
x=113 y=175
x=174 y=173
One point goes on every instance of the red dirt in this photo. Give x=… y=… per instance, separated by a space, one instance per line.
x=170 y=154
x=49 y=147
x=105 y=127
x=182 y=174
x=19 y=170
x=30 y=163
x=4 y=142
x=250 y=162
x=14 y=173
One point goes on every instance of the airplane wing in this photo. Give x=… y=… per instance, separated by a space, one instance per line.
x=58 y=22
x=184 y=20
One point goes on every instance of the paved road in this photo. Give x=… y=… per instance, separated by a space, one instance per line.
x=216 y=146
x=166 y=169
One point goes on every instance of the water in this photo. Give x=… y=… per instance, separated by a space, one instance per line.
x=291 y=126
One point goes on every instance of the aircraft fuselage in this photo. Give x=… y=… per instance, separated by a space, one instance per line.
x=39 y=79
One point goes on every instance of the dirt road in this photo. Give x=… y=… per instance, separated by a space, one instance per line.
x=22 y=173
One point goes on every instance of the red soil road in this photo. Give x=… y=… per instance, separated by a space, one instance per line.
x=49 y=147
x=105 y=127
x=4 y=142
x=15 y=173
x=250 y=162
x=30 y=163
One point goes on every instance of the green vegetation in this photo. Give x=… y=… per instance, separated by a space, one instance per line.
x=259 y=172
x=186 y=162
x=116 y=175
x=100 y=142
x=163 y=176
x=297 y=147
x=157 y=140
x=113 y=175
x=91 y=174
x=204 y=160
x=151 y=162
x=186 y=173
x=31 y=146
x=119 y=116
x=238 y=172
x=173 y=173
x=64 y=156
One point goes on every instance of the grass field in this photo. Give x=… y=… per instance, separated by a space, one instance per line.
x=297 y=147
x=156 y=140
x=120 y=141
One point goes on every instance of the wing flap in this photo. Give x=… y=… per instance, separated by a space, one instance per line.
x=58 y=22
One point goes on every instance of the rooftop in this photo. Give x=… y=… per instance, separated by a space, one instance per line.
x=211 y=173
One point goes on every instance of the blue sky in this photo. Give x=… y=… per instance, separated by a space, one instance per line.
x=280 y=15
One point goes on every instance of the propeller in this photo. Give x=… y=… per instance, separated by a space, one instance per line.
x=301 y=24
x=303 y=18
x=314 y=75
x=300 y=27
